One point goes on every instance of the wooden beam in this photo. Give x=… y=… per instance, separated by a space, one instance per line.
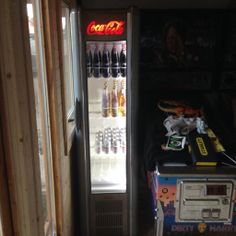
x=20 y=133
x=54 y=69
x=49 y=11
x=5 y=208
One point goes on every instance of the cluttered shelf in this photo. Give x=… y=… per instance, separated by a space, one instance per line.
x=182 y=135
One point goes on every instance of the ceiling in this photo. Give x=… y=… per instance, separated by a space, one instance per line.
x=160 y=4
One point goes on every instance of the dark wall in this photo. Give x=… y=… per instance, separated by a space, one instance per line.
x=160 y=4
x=205 y=70
x=188 y=49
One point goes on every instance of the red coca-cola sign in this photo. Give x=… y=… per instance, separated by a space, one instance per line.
x=111 y=28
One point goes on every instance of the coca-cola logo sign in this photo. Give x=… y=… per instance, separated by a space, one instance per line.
x=111 y=28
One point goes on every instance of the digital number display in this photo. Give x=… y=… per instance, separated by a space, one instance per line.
x=216 y=190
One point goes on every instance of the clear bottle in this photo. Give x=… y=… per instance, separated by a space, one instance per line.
x=123 y=69
x=122 y=99
x=105 y=64
x=114 y=100
x=96 y=62
x=105 y=101
x=114 y=61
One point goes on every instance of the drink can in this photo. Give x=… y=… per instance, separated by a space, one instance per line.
x=106 y=146
x=98 y=145
x=115 y=146
x=100 y=134
x=123 y=146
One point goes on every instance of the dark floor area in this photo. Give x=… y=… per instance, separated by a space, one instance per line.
x=145 y=215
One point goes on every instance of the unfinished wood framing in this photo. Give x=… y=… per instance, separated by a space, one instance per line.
x=60 y=50
x=5 y=208
x=68 y=127
x=20 y=134
x=20 y=131
x=61 y=162
x=53 y=79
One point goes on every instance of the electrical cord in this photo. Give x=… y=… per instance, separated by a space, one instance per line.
x=227 y=164
x=230 y=158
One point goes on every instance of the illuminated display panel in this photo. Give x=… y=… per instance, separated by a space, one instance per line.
x=113 y=27
x=216 y=190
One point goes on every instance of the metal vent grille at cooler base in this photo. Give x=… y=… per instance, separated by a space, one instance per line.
x=109 y=217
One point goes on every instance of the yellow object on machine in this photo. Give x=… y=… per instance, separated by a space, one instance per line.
x=215 y=141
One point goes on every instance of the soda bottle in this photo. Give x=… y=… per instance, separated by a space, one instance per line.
x=122 y=99
x=89 y=61
x=123 y=61
x=105 y=70
x=105 y=101
x=96 y=62
x=114 y=61
x=114 y=100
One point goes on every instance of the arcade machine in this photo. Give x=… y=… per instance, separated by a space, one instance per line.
x=190 y=154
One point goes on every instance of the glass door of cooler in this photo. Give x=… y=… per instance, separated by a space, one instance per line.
x=106 y=75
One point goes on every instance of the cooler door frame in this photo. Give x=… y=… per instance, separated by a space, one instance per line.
x=128 y=199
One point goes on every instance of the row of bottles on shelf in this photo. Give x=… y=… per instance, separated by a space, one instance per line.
x=114 y=102
x=106 y=63
x=110 y=141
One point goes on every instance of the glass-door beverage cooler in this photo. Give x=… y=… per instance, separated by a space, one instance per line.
x=106 y=52
x=106 y=84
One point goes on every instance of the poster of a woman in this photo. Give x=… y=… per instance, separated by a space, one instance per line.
x=173 y=53
x=178 y=40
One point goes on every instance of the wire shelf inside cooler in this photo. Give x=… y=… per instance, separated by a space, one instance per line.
x=97 y=122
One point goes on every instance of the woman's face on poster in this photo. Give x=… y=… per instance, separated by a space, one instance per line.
x=174 y=42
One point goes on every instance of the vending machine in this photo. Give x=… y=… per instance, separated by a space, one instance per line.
x=107 y=123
